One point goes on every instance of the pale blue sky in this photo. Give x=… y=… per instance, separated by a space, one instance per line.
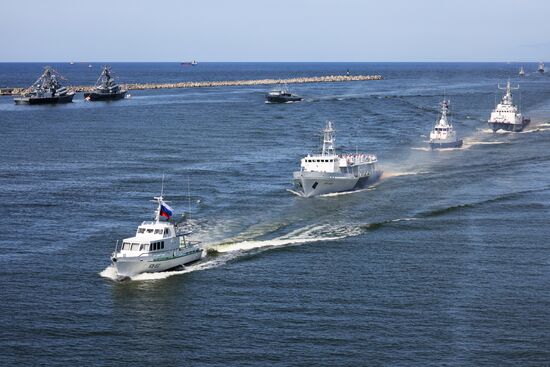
x=275 y=30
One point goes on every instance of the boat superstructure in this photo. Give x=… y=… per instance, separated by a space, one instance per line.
x=158 y=245
x=443 y=134
x=506 y=115
x=329 y=172
x=541 y=67
x=47 y=89
x=281 y=95
x=106 y=88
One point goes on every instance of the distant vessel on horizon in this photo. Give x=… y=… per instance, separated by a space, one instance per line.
x=506 y=115
x=190 y=63
x=541 y=67
x=521 y=71
x=46 y=90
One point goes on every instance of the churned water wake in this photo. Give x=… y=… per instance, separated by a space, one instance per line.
x=238 y=246
x=248 y=242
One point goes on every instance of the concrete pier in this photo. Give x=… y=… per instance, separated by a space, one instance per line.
x=231 y=83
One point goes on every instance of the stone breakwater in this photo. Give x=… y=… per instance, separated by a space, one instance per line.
x=231 y=83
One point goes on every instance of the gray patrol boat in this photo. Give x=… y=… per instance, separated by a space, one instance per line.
x=329 y=172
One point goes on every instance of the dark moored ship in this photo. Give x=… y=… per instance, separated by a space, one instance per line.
x=281 y=95
x=106 y=89
x=46 y=90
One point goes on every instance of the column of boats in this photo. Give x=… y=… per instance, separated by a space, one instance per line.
x=161 y=244
x=48 y=89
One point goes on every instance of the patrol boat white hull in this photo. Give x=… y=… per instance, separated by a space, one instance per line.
x=317 y=183
x=506 y=115
x=129 y=266
x=443 y=134
x=442 y=144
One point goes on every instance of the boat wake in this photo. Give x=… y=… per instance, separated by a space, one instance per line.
x=536 y=129
x=237 y=247
x=295 y=192
x=308 y=234
x=423 y=149
x=332 y=194
x=251 y=242
x=404 y=173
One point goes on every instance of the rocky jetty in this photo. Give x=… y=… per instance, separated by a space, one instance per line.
x=231 y=83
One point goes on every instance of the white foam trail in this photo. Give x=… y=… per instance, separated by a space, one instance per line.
x=232 y=250
x=535 y=130
x=424 y=149
x=490 y=131
x=109 y=272
x=253 y=245
x=332 y=194
x=398 y=174
x=295 y=192
x=468 y=144
x=403 y=219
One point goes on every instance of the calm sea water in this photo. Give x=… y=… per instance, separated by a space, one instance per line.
x=445 y=262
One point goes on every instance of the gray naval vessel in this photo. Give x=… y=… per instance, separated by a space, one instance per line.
x=329 y=172
x=46 y=90
x=106 y=89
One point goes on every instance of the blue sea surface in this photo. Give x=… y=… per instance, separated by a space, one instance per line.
x=445 y=261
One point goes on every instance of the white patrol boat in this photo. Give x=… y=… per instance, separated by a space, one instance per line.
x=157 y=246
x=329 y=173
x=443 y=135
x=506 y=116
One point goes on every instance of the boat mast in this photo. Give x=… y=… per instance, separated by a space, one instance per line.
x=159 y=200
x=328 y=139
x=444 y=111
x=507 y=99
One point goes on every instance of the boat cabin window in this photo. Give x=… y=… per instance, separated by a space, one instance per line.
x=150 y=230
x=158 y=231
x=141 y=230
x=146 y=247
x=135 y=246
x=165 y=230
x=157 y=245
x=125 y=246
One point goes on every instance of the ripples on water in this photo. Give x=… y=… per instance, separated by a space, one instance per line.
x=444 y=261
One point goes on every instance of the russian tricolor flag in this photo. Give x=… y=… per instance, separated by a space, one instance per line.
x=165 y=211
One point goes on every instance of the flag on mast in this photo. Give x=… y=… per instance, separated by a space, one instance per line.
x=165 y=210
